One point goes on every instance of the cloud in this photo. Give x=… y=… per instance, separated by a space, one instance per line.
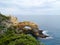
x=30 y=7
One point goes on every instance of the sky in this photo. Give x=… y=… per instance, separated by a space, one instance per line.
x=30 y=7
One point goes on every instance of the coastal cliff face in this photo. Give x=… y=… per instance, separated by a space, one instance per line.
x=11 y=23
x=11 y=34
x=7 y=22
x=13 y=20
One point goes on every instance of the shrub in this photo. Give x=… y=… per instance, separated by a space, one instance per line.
x=17 y=39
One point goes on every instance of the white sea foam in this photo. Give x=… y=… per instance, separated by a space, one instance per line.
x=49 y=38
x=45 y=33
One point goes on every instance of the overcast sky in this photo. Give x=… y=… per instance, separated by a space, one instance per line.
x=30 y=7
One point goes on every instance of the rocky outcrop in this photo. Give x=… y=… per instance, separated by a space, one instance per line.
x=7 y=22
x=11 y=23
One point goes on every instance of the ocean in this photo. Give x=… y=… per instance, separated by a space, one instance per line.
x=50 y=23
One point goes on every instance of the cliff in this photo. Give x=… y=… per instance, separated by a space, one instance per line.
x=7 y=22
x=10 y=34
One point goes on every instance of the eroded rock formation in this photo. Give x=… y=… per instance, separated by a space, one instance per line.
x=34 y=30
x=20 y=27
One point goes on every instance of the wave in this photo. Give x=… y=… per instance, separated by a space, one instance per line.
x=46 y=33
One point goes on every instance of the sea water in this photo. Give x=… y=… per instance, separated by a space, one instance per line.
x=54 y=40
x=50 y=23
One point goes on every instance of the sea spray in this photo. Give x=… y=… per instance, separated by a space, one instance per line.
x=46 y=33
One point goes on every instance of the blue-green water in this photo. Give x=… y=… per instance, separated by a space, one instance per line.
x=53 y=41
x=50 y=23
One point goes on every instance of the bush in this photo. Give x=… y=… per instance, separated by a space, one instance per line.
x=17 y=39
